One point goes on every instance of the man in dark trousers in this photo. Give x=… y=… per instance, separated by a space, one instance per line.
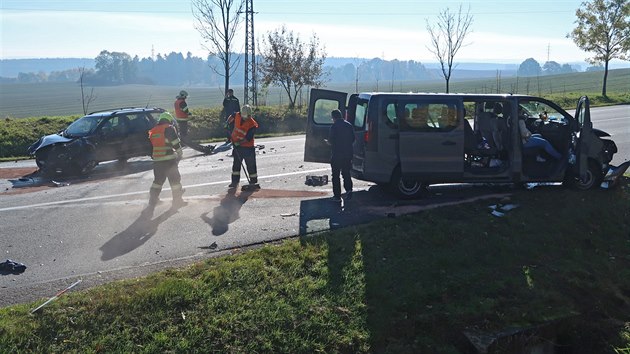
x=242 y=127
x=231 y=104
x=167 y=151
x=341 y=138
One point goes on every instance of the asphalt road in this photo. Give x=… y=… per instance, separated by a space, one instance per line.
x=92 y=229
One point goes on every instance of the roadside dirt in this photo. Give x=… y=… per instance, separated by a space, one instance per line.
x=16 y=172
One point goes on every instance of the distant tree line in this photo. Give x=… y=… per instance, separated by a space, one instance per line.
x=115 y=68
x=530 y=67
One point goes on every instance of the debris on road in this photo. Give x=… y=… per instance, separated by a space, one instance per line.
x=316 y=180
x=499 y=210
x=59 y=184
x=288 y=214
x=56 y=296
x=12 y=267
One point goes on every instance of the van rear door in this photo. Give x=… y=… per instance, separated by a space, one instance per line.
x=431 y=144
x=318 y=123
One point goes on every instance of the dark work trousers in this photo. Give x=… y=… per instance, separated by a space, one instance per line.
x=341 y=166
x=249 y=155
x=183 y=133
x=161 y=171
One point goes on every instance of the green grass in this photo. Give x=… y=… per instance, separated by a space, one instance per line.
x=411 y=284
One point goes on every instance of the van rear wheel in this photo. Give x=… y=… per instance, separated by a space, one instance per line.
x=406 y=188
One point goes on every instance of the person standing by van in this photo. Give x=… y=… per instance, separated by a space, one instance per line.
x=341 y=138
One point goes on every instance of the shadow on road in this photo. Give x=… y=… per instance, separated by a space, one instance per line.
x=135 y=235
x=226 y=212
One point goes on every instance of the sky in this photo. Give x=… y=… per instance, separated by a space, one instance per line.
x=507 y=31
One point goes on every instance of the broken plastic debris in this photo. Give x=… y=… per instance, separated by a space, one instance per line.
x=60 y=184
x=287 y=214
x=508 y=207
x=498 y=213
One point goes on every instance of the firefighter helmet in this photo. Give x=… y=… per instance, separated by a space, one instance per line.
x=165 y=117
x=182 y=94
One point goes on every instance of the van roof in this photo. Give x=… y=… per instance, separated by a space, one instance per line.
x=367 y=95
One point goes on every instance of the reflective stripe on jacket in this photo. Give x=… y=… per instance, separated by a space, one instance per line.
x=163 y=148
x=241 y=126
x=181 y=110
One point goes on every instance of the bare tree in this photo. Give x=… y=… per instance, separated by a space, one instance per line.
x=85 y=99
x=603 y=27
x=218 y=22
x=447 y=37
x=290 y=63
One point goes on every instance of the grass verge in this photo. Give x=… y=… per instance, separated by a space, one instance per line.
x=412 y=284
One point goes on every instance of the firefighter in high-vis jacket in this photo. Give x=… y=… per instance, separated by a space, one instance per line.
x=182 y=115
x=167 y=151
x=241 y=128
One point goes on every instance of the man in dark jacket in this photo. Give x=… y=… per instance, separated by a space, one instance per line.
x=341 y=138
x=231 y=104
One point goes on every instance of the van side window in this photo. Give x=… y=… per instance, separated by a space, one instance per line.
x=322 y=109
x=390 y=117
x=360 y=112
x=438 y=117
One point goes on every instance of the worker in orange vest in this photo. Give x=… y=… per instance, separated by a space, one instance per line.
x=167 y=151
x=242 y=127
x=182 y=115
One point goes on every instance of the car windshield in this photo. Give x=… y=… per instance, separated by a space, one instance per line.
x=83 y=126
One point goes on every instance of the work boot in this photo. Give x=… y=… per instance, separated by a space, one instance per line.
x=233 y=184
x=154 y=197
x=253 y=186
x=178 y=201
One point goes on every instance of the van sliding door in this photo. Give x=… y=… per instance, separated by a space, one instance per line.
x=432 y=140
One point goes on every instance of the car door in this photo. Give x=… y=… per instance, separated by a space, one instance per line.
x=112 y=138
x=138 y=136
x=585 y=129
x=318 y=123
x=429 y=151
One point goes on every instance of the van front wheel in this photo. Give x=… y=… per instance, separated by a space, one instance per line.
x=407 y=188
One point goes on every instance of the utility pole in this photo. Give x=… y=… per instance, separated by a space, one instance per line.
x=548 y=50
x=250 y=94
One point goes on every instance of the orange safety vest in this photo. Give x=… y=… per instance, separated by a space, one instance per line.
x=240 y=130
x=162 y=148
x=179 y=113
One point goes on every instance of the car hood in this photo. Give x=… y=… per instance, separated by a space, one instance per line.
x=48 y=140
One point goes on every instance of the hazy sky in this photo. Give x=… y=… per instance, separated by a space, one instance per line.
x=503 y=31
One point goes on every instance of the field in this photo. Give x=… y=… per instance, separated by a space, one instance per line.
x=64 y=99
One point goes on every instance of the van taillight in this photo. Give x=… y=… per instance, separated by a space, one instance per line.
x=366 y=136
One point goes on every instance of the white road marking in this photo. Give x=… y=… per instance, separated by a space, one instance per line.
x=145 y=192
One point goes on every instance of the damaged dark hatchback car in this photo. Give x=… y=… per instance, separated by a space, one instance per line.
x=115 y=134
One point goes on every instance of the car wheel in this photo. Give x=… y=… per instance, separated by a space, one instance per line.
x=41 y=157
x=87 y=167
x=593 y=178
x=406 y=188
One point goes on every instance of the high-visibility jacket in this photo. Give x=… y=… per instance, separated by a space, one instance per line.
x=181 y=110
x=165 y=142
x=241 y=127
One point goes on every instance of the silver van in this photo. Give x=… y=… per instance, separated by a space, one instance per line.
x=407 y=141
